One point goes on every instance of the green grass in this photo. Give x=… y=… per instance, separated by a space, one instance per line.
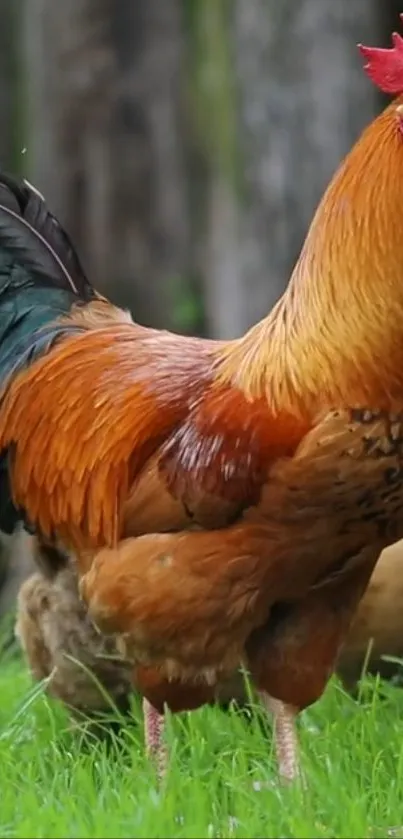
x=221 y=780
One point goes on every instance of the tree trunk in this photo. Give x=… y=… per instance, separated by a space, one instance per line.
x=149 y=200
x=70 y=77
x=106 y=146
x=10 y=85
x=302 y=99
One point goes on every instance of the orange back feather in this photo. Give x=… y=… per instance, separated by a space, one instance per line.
x=82 y=421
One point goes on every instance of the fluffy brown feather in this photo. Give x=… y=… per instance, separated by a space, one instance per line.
x=188 y=601
x=88 y=672
x=85 y=668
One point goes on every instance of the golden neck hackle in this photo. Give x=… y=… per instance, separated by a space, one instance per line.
x=336 y=336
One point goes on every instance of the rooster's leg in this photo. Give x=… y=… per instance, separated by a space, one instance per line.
x=285 y=736
x=154 y=737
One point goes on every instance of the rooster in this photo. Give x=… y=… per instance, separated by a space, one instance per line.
x=227 y=501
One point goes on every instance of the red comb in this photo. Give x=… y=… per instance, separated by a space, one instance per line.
x=385 y=66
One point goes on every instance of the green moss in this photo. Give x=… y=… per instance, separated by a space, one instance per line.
x=211 y=84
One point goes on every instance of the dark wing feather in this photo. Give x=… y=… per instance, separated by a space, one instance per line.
x=34 y=239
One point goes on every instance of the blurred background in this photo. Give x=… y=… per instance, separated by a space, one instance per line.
x=184 y=144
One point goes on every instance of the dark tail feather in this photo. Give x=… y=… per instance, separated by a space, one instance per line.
x=41 y=278
x=35 y=240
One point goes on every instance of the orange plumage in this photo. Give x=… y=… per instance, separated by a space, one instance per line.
x=228 y=500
